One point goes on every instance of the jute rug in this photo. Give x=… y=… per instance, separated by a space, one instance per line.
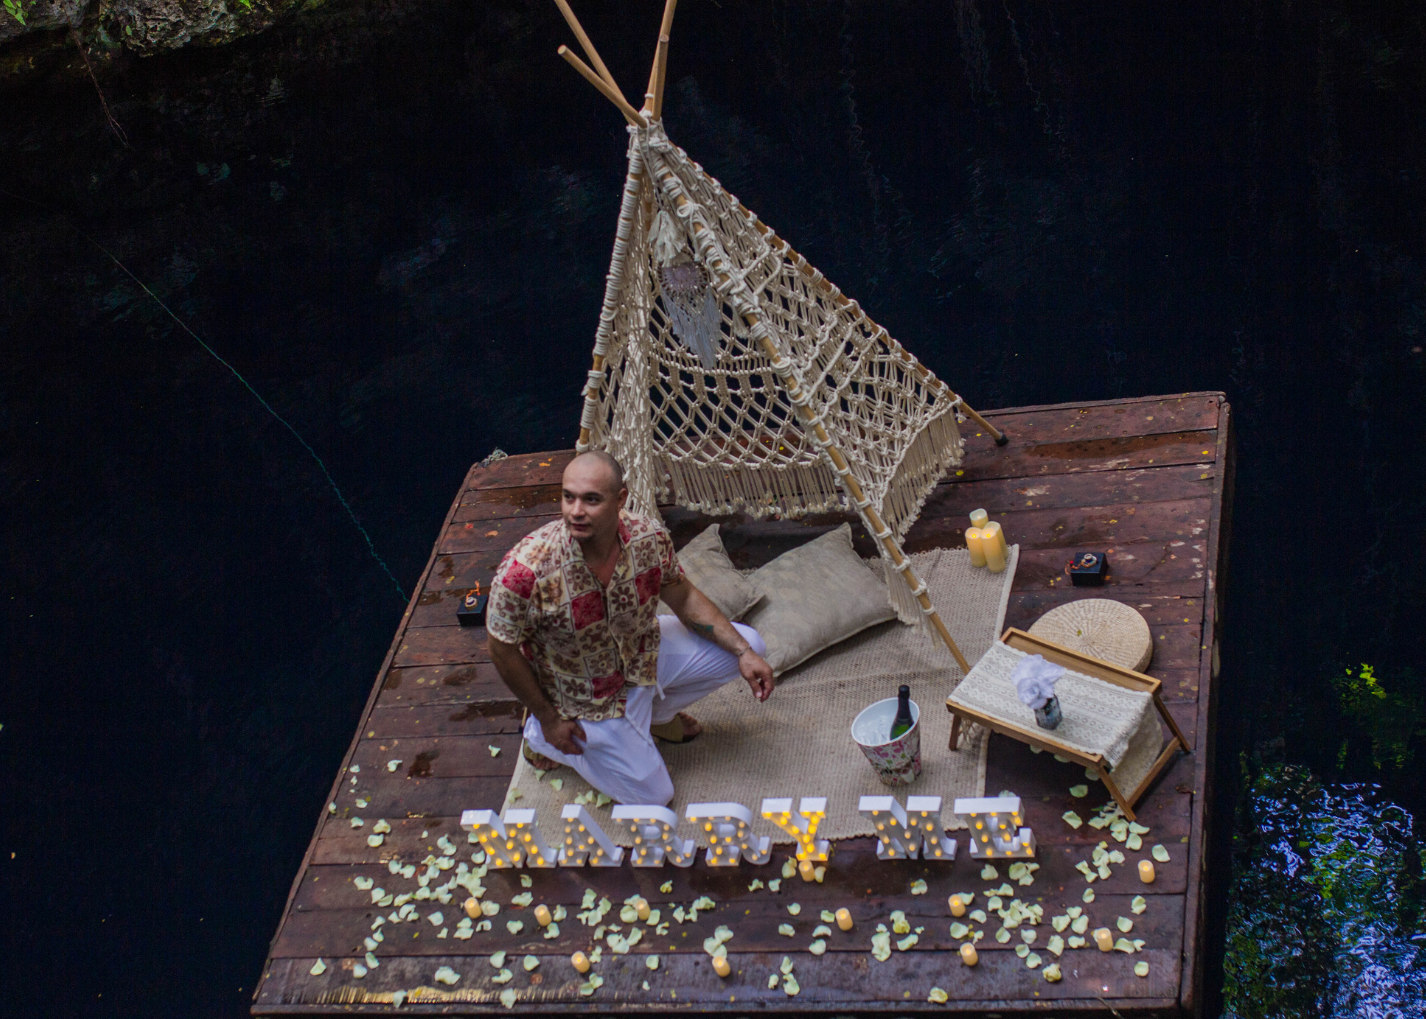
x=798 y=742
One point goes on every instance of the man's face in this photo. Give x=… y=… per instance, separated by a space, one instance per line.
x=589 y=507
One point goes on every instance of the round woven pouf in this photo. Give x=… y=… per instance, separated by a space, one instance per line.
x=1099 y=627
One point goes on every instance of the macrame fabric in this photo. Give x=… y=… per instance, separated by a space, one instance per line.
x=713 y=333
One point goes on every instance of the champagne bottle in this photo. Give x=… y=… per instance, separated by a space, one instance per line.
x=903 y=712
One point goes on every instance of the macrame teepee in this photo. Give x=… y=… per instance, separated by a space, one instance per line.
x=730 y=375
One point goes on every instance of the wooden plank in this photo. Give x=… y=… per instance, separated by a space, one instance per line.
x=489 y=534
x=443 y=684
x=1105 y=418
x=475 y=719
x=520 y=471
x=1104 y=983
x=442 y=645
x=1146 y=565
x=1191 y=989
x=957 y=497
x=1077 y=456
x=1184 y=520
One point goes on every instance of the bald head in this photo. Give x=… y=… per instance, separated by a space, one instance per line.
x=601 y=463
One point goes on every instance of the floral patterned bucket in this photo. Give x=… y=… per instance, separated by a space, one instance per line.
x=897 y=761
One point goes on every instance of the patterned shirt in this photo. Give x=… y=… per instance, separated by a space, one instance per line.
x=585 y=640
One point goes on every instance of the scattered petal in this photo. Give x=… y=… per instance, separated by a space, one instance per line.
x=503 y=977
x=318 y=968
x=1080 y=924
x=794 y=908
x=1133 y=843
x=666 y=887
x=755 y=885
x=358 y=970
x=375 y=840
x=556 y=784
x=381 y=827
x=817 y=947
x=446 y=975
x=938 y=996
x=1124 y=924
x=514 y=926
x=1138 y=904
x=828 y=916
x=436 y=918
x=989 y=873
x=1079 y=791
x=357 y=822
x=523 y=899
x=1032 y=960
x=978 y=915
x=959 y=931
x=918 y=887
x=785 y=929
x=1072 y=819
x=1160 y=853
x=1088 y=895
x=1124 y=945
x=1002 y=935
x=494 y=750
x=907 y=942
x=530 y=962
x=1052 y=973
x=1056 y=945
x=393 y=765
x=775 y=885
x=1141 y=969
x=508 y=997
x=790 y=986
x=785 y=966
x=652 y=962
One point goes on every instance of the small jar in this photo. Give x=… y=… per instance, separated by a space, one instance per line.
x=1047 y=715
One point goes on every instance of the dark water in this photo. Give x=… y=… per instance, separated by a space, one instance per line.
x=394 y=222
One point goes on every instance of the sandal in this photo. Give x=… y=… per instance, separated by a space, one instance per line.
x=537 y=761
x=682 y=728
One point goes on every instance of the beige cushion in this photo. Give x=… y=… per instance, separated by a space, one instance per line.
x=814 y=596
x=713 y=573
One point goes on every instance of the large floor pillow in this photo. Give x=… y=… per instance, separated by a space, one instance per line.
x=707 y=564
x=814 y=596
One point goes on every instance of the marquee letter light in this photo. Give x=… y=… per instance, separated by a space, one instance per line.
x=655 y=831
x=813 y=811
x=995 y=827
x=585 y=840
x=728 y=827
x=924 y=812
x=520 y=826
x=501 y=849
x=897 y=838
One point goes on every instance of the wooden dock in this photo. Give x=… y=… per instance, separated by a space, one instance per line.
x=1149 y=480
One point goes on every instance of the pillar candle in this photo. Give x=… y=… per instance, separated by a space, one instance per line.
x=1146 y=872
x=580 y=961
x=844 y=918
x=992 y=546
x=721 y=966
x=472 y=908
x=808 y=872
x=1000 y=537
x=542 y=915
x=969 y=955
x=979 y=518
x=642 y=909
x=958 y=908
x=975 y=539
x=1104 y=939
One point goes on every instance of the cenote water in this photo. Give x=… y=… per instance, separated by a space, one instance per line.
x=393 y=221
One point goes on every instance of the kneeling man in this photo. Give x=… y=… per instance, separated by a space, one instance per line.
x=575 y=635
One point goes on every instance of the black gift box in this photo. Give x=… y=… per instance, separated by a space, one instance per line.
x=472 y=609
x=1088 y=569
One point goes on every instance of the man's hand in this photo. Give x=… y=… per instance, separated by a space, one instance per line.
x=564 y=734
x=757 y=672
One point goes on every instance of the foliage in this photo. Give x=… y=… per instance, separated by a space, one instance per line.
x=1392 y=715
x=16 y=9
x=1326 y=914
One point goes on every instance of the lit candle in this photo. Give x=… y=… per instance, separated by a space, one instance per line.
x=808 y=872
x=844 y=918
x=958 y=908
x=979 y=518
x=1104 y=939
x=1146 y=871
x=472 y=908
x=969 y=955
x=720 y=966
x=580 y=961
x=542 y=915
x=992 y=545
x=642 y=908
x=975 y=539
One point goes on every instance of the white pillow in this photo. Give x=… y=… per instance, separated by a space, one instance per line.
x=814 y=596
x=712 y=572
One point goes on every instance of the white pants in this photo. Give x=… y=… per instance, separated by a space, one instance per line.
x=620 y=758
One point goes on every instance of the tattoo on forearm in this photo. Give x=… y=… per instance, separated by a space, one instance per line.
x=704 y=629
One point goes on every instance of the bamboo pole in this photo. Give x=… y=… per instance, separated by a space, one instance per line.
x=589 y=49
x=842 y=468
x=654 y=100
x=842 y=300
x=630 y=114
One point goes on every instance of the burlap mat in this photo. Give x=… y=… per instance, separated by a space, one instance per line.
x=798 y=743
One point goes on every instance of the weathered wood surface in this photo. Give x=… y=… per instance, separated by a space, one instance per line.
x=1147 y=480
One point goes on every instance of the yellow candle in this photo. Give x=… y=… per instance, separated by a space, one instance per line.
x=979 y=518
x=969 y=955
x=642 y=909
x=1000 y=536
x=992 y=546
x=720 y=966
x=580 y=961
x=1146 y=871
x=472 y=908
x=542 y=915
x=844 y=918
x=975 y=539
x=958 y=908
x=1104 y=939
x=808 y=872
